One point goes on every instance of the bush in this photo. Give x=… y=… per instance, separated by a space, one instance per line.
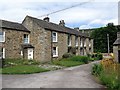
x=99 y=56
x=97 y=69
x=67 y=55
x=83 y=59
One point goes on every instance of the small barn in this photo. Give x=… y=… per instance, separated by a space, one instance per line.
x=116 y=48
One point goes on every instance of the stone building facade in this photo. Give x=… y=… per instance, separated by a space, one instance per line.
x=42 y=40
x=116 y=48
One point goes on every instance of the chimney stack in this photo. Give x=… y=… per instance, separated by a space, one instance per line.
x=46 y=19
x=118 y=34
x=76 y=28
x=62 y=23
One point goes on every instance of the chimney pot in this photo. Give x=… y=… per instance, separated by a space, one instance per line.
x=46 y=19
x=76 y=28
x=62 y=23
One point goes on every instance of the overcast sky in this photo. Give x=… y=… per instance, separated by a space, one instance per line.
x=92 y=14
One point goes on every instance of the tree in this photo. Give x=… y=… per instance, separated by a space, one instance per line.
x=100 y=38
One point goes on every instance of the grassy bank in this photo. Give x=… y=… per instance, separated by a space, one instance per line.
x=109 y=76
x=23 y=69
x=72 y=61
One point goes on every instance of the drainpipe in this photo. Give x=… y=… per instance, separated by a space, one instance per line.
x=51 y=48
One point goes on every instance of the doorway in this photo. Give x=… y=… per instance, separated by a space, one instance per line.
x=30 y=53
x=119 y=56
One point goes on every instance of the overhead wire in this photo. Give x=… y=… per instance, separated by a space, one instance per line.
x=65 y=8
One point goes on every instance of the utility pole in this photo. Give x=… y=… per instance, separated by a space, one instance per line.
x=108 y=43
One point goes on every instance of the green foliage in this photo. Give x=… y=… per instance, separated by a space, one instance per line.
x=97 y=69
x=108 y=76
x=67 y=55
x=100 y=38
x=93 y=57
x=83 y=59
x=72 y=61
x=67 y=63
x=15 y=62
x=23 y=69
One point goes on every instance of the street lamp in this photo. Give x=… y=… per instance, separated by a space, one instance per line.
x=108 y=43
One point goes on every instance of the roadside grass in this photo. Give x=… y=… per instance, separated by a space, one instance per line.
x=72 y=61
x=67 y=63
x=108 y=76
x=21 y=66
x=23 y=69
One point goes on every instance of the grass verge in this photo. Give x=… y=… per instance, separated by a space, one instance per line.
x=23 y=69
x=67 y=63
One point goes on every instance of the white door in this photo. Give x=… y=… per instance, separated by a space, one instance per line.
x=30 y=53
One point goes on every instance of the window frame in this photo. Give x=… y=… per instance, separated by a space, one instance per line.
x=28 y=39
x=3 y=40
x=56 y=37
x=2 y=52
x=69 y=40
x=55 y=55
x=76 y=41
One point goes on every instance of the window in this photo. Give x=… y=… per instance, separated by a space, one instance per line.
x=69 y=40
x=2 y=36
x=89 y=42
x=26 y=38
x=54 y=36
x=76 y=41
x=2 y=53
x=81 y=42
x=55 y=51
x=85 y=43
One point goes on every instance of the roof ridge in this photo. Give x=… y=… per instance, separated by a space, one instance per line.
x=58 y=26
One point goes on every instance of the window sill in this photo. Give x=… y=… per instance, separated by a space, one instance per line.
x=54 y=41
x=55 y=55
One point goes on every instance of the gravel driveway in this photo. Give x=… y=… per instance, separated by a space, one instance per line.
x=73 y=77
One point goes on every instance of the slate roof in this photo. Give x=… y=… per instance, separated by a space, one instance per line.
x=13 y=26
x=117 y=42
x=56 y=27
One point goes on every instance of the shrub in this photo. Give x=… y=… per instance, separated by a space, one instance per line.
x=67 y=55
x=99 y=56
x=97 y=69
x=80 y=59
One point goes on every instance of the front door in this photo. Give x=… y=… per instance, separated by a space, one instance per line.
x=30 y=53
x=119 y=56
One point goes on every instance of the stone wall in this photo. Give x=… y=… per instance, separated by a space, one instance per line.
x=61 y=44
x=12 y=44
x=40 y=39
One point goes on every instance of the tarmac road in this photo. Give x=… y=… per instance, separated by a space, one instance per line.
x=73 y=77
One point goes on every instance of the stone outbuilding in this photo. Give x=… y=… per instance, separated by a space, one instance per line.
x=116 y=48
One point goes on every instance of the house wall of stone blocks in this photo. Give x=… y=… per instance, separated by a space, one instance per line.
x=12 y=44
x=40 y=38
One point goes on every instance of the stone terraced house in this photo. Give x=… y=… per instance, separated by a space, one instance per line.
x=41 y=40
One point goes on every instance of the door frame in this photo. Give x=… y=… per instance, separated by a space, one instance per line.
x=28 y=52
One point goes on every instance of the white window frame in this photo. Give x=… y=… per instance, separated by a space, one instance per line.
x=85 y=43
x=69 y=40
x=54 y=38
x=76 y=41
x=3 y=37
x=81 y=42
x=28 y=39
x=56 y=55
x=89 y=42
x=2 y=51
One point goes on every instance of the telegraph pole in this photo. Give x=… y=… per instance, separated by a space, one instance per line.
x=108 y=43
